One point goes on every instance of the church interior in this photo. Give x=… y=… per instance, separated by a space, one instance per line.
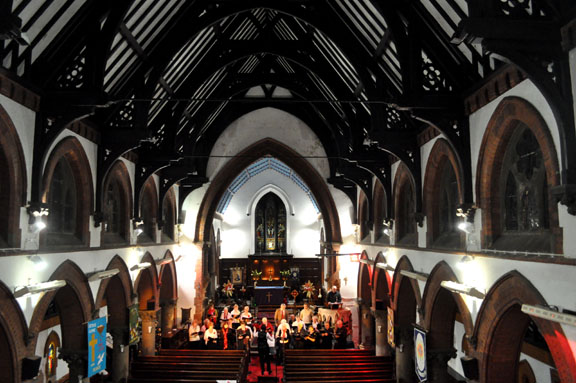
x=160 y=159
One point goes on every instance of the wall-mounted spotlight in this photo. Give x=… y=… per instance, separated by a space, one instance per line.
x=549 y=314
x=388 y=224
x=466 y=227
x=138 y=226
x=141 y=266
x=36 y=211
x=463 y=289
x=163 y=261
x=39 y=263
x=99 y=275
x=415 y=275
x=467 y=212
x=39 y=287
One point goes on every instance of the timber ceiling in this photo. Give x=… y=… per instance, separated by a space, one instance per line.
x=163 y=78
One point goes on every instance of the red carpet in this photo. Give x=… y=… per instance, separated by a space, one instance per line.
x=254 y=370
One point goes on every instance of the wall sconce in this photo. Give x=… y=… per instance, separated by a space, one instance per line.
x=36 y=211
x=138 y=226
x=140 y=266
x=388 y=224
x=463 y=289
x=39 y=287
x=99 y=275
x=39 y=263
x=354 y=257
x=549 y=314
x=467 y=212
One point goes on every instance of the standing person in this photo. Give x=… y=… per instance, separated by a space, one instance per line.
x=315 y=323
x=266 y=324
x=225 y=316
x=311 y=339
x=341 y=335
x=243 y=336
x=299 y=333
x=211 y=337
x=306 y=314
x=326 y=336
x=194 y=335
x=235 y=317
x=280 y=314
x=227 y=337
x=264 y=349
x=212 y=313
x=283 y=333
x=334 y=299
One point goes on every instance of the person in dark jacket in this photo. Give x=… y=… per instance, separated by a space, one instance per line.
x=341 y=335
x=264 y=349
x=326 y=336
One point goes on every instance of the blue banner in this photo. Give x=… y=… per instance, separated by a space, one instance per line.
x=420 y=355
x=96 y=346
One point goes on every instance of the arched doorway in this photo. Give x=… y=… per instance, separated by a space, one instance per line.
x=364 y=303
x=445 y=312
x=407 y=300
x=71 y=307
x=13 y=331
x=501 y=328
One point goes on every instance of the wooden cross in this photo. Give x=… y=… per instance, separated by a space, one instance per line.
x=269 y=295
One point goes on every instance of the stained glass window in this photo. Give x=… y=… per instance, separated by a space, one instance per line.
x=270 y=229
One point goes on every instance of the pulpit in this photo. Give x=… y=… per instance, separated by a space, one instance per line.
x=269 y=295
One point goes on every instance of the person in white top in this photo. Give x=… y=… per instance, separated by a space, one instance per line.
x=246 y=316
x=211 y=337
x=315 y=323
x=225 y=316
x=306 y=314
x=283 y=335
x=235 y=317
x=194 y=335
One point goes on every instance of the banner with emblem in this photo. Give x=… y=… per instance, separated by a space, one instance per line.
x=96 y=346
x=133 y=314
x=391 y=327
x=420 y=355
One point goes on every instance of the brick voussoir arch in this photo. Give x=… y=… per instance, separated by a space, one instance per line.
x=13 y=175
x=509 y=292
x=153 y=273
x=365 y=280
x=77 y=281
x=443 y=272
x=510 y=112
x=262 y=148
x=14 y=324
x=379 y=289
x=117 y=263
x=404 y=264
x=119 y=173
x=72 y=150
x=403 y=175
x=170 y=268
x=441 y=152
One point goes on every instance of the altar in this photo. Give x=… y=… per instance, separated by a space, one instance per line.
x=269 y=295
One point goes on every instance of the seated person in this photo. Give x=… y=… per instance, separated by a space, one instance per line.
x=334 y=299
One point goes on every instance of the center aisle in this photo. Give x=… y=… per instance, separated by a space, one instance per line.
x=254 y=370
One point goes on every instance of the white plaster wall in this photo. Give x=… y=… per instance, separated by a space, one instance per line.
x=541 y=370
x=303 y=229
x=268 y=123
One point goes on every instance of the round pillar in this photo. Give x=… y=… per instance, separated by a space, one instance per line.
x=77 y=364
x=168 y=309
x=120 y=355
x=405 y=356
x=148 y=332
x=367 y=326
x=438 y=364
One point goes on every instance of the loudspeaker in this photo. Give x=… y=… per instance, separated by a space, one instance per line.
x=470 y=367
x=30 y=367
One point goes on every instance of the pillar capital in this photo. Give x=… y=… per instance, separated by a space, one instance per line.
x=148 y=315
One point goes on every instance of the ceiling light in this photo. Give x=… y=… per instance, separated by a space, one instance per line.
x=552 y=315
x=415 y=275
x=39 y=263
x=463 y=289
x=140 y=266
x=39 y=287
x=99 y=275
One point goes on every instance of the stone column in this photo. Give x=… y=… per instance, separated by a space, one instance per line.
x=120 y=354
x=438 y=364
x=405 y=355
x=77 y=364
x=148 y=332
x=168 y=308
x=381 y=323
x=367 y=326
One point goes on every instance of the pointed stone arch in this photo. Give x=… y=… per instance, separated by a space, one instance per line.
x=405 y=230
x=365 y=280
x=500 y=328
x=118 y=173
x=13 y=333
x=262 y=148
x=146 y=284
x=13 y=181
x=381 y=284
x=124 y=277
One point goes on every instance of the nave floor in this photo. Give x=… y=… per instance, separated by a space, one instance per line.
x=254 y=370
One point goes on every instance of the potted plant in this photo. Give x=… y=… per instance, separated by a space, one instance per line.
x=255 y=275
x=285 y=274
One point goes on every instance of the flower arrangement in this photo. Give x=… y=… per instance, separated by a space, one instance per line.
x=256 y=274
x=285 y=273
x=308 y=289
x=228 y=289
